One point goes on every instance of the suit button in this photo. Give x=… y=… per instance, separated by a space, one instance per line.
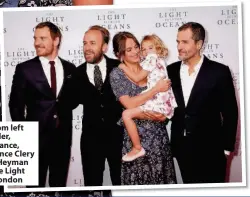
x=102 y=119
x=101 y=106
x=55 y=116
x=56 y=100
x=187 y=116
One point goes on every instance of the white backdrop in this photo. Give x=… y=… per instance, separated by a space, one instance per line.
x=222 y=46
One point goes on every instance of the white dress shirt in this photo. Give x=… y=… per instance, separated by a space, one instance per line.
x=187 y=82
x=59 y=72
x=91 y=67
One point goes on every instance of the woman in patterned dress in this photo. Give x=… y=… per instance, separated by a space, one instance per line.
x=154 y=68
x=156 y=167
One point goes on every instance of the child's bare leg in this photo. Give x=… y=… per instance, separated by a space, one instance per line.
x=128 y=116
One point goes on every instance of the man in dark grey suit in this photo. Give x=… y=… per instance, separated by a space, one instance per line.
x=204 y=125
x=90 y=85
x=36 y=96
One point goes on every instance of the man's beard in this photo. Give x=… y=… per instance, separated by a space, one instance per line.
x=96 y=59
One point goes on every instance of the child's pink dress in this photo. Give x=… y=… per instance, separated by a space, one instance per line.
x=163 y=102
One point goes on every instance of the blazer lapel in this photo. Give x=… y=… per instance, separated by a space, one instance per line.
x=87 y=77
x=109 y=68
x=66 y=74
x=177 y=88
x=200 y=81
x=40 y=79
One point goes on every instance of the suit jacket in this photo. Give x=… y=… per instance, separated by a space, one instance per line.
x=101 y=110
x=211 y=115
x=31 y=92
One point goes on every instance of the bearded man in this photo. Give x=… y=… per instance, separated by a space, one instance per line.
x=90 y=86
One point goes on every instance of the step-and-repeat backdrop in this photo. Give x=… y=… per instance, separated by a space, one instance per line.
x=220 y=22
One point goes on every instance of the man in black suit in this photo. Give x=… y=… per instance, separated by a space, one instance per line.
x=101 y=136
x=204 y=125
x=35 y=96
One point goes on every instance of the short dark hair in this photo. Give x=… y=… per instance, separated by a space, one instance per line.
x=54 y=30
x=105 y=33
x=119 y=42
x=197 y=30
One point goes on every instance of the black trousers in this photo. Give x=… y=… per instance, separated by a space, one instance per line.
x=55 y=157
x=96 y=147
x=200 y=165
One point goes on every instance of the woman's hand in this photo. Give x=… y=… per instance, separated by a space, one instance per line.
x=163 y=85
x=155 y=116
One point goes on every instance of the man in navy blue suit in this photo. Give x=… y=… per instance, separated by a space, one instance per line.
x=204 y=125
x=36 y=96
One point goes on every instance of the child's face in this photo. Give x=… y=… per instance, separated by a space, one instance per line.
x=146 y=48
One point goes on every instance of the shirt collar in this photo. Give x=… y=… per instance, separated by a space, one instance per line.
x=196 y=67
x=45 y=61
x=101 y=64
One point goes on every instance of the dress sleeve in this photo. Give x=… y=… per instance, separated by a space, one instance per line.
x=150 y=62
x=119 y=83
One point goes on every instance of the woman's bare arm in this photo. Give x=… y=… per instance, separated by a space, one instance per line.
x=135 y=77
x=133 y=102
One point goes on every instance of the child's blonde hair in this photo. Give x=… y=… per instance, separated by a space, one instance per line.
x=161 y=49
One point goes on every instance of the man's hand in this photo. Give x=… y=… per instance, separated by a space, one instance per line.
x=155 y=116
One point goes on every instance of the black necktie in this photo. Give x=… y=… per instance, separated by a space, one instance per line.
x=98 y=78
x=53 y=76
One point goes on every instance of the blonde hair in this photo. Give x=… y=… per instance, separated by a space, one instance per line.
x=161 y=49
